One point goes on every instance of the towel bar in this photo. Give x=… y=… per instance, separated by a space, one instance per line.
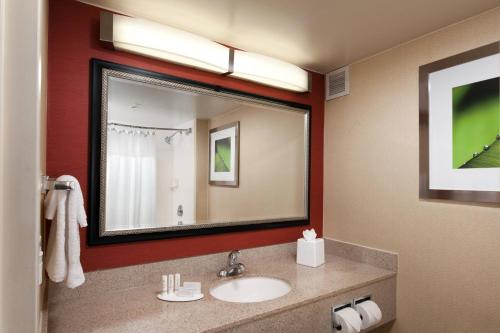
x=52 y=184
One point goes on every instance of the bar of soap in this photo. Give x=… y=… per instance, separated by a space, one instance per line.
x=183 y=292
x=195 y=287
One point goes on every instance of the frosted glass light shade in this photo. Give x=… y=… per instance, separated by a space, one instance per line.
x=269 y=71
x=166 y=43
x=159 y=41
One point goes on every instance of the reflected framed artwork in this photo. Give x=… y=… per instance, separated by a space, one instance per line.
x=459 y=119
x=224 y=146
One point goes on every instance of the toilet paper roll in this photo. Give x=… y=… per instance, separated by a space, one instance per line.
x=349 y=320
x=370 y=314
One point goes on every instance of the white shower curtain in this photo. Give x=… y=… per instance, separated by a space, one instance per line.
x=130 y=179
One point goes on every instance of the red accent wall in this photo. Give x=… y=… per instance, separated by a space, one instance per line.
x=73 y=41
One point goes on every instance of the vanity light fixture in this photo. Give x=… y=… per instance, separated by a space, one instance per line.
x=159 y=41
x=269 y=71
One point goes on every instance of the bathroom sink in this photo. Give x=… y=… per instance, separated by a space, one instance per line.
x=250 y=289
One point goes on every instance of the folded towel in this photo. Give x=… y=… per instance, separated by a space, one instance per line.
x=63 y=249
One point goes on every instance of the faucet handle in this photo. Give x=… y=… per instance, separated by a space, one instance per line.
x=233 y=266
x=233 y=257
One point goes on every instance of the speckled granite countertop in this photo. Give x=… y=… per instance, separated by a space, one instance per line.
x=126 y=305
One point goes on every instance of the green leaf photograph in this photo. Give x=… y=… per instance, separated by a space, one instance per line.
x=476 y=125
x=223 y=155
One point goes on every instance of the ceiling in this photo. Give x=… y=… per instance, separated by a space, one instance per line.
x=320 y=35
x=131 y=102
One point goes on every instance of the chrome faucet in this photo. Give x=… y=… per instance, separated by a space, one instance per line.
x=233 y=266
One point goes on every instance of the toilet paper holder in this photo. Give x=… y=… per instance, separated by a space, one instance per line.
x=353 y=304
x=359 y=300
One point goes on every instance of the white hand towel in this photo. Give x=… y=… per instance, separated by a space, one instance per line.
x=63 y=250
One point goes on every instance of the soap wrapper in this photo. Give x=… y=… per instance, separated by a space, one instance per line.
x=195 y=287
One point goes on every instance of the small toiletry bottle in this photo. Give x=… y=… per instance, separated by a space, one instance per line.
x=164 y=284
x=177 y=281
x=170 y=283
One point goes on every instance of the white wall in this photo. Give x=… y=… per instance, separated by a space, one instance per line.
x=184 y=170
x=164 y=175
x=21 y=108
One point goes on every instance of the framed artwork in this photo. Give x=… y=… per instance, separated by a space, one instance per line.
x=224 y=155
x=459 y=120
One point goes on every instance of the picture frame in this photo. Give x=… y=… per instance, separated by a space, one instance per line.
x=458 y=99
x=224 y=155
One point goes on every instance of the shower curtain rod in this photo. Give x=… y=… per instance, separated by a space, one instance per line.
x=153 y=128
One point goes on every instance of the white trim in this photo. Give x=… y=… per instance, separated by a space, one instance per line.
x=23 y=49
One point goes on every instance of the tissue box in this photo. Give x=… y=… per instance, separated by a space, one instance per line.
x=311 y=253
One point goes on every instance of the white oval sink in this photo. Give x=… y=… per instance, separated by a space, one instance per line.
x=250 y=289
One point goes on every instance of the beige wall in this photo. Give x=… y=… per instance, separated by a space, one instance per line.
x=449 y=273
x=270 y=142
x=22 y=109
x=2 y=260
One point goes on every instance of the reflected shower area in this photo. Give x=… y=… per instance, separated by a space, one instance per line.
x=175 y=158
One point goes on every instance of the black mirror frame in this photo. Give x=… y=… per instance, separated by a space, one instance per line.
x=94 y=237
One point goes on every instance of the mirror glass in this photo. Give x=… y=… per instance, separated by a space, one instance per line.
x=175 y=157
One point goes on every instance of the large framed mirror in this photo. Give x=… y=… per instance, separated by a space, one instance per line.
x=172 y=157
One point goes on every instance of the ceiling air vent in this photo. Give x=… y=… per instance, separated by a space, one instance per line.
x=337 y=83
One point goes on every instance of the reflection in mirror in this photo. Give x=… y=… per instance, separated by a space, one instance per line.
x=175 y=158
